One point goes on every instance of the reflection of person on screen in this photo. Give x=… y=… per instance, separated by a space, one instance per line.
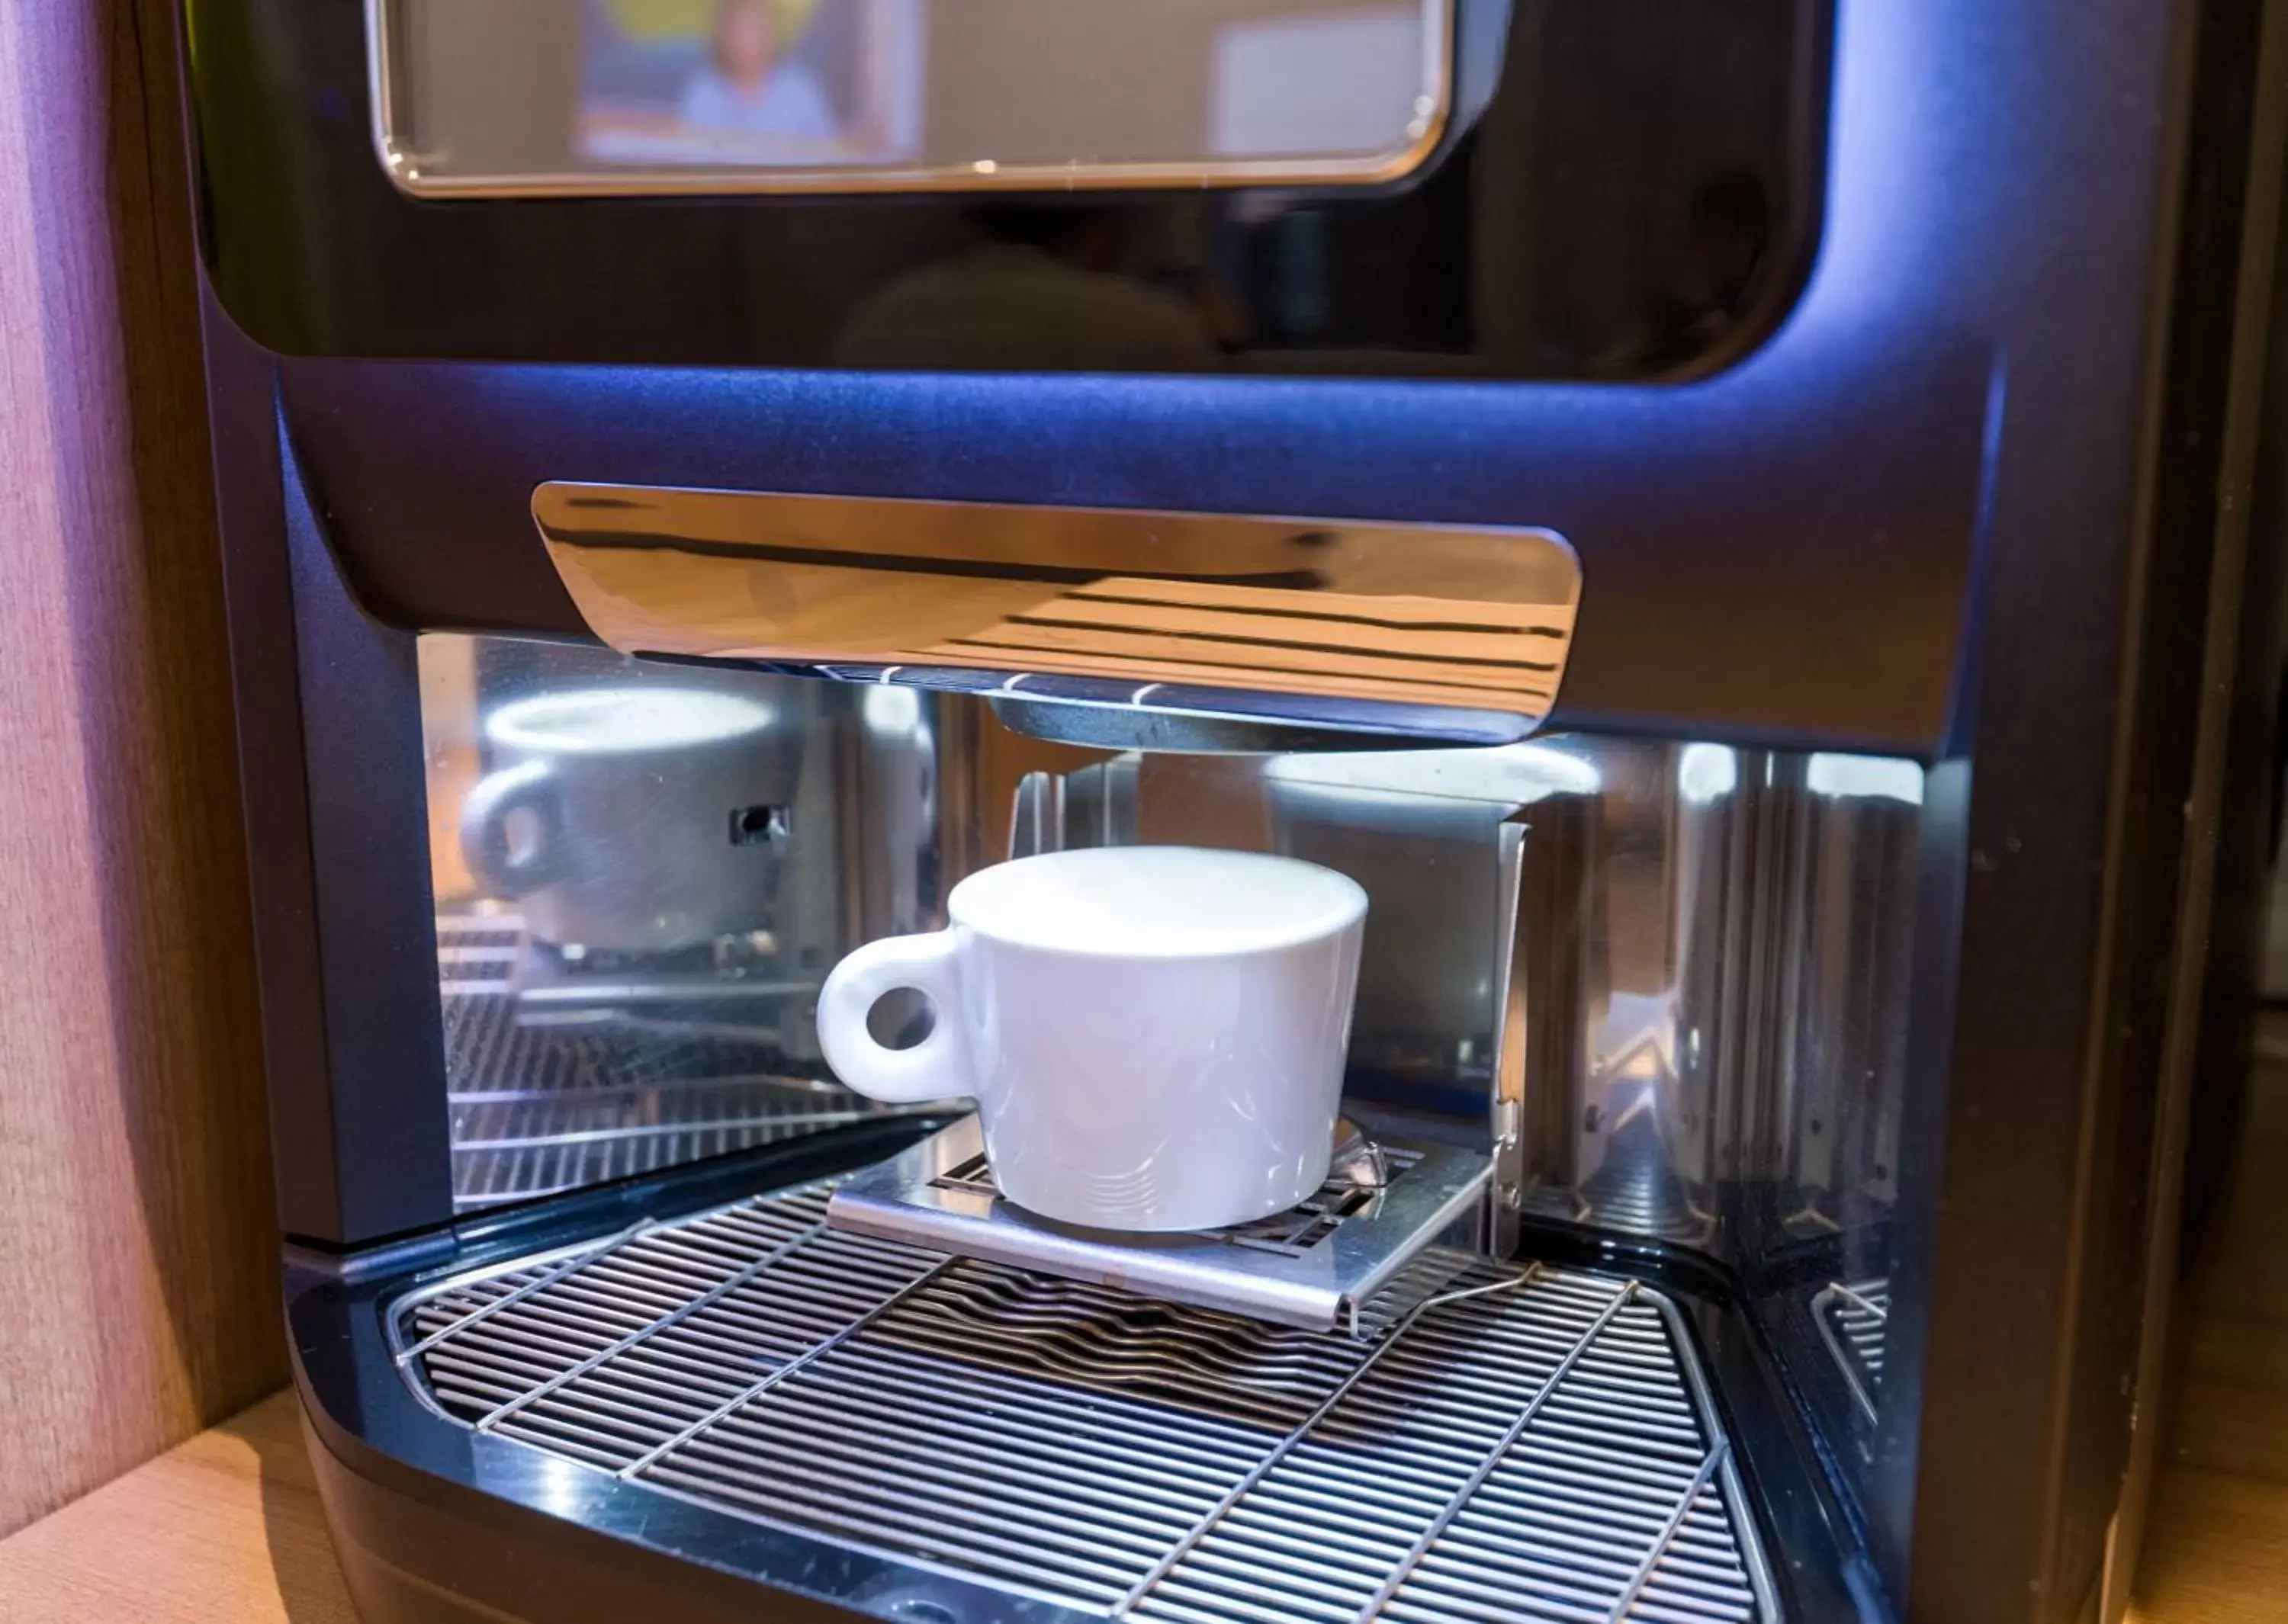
x=750 y=87
x=1045 y=290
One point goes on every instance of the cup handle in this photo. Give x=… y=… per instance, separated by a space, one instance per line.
x=484 y=830
x=936 y=1068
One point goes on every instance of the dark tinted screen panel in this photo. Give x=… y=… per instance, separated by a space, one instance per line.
x=1620 y=190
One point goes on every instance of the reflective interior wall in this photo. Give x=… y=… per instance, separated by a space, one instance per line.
x=1716 y=940
x=644 y=872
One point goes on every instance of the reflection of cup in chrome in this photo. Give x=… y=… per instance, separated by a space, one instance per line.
x=1154 y=1035
x=636 y=819
x=1420 y=830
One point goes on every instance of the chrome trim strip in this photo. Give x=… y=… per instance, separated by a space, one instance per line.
x=403 y=164
x=1158 y=611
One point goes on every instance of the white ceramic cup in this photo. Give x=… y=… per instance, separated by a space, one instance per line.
x=636 y=795
x=1154 y=1035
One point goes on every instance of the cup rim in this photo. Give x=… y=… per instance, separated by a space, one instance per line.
x=1345 y=916
x=518 y=725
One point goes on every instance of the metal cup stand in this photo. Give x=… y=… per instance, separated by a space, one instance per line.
x=1327 y=1264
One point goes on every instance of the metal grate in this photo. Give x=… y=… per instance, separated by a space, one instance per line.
x=1324 y=1263
x=538 y=1108
x=1523 y=1445
x=1290 y=1233
x=1851 y=1321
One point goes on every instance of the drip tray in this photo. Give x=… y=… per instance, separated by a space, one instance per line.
x=1522 y=1442
x=1317 y=1267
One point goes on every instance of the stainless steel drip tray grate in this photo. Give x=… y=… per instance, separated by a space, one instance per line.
x=1518 y=1444
x=1314 y=1267
x=540 y=1106
x=1852 y=1321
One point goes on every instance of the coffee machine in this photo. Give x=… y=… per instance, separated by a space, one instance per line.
x=1737 y=522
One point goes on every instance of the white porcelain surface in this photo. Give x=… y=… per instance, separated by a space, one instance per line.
x=1154 y=1035
x=630 y=793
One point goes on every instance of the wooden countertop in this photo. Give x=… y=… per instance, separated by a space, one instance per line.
x=227 y=1529
x=2216 y=1549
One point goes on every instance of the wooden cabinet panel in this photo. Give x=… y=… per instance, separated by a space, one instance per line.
x=139 y=1296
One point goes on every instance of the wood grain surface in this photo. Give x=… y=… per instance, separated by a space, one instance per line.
x=226 y=1529
x=139 y=1266
x=2216 y=1548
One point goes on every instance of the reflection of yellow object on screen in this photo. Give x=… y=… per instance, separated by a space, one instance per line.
x=648 y=19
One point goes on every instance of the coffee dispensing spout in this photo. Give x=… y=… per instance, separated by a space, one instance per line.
x=1117 y=628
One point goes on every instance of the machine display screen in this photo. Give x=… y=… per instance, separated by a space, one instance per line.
x=508 y=96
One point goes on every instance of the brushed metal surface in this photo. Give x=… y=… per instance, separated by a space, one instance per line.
x=1189 y=612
